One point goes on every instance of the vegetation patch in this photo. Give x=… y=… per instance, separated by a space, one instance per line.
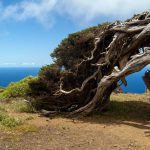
x=21 y=106
x=18 y=89
x=18 y=105
x=9 y=121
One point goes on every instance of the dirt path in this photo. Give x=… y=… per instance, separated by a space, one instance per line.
x=126 y=126
x=91 y=134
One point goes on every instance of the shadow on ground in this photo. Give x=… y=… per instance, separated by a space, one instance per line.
x=131 y=113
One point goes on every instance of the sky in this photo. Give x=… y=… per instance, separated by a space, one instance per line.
x=31 y=29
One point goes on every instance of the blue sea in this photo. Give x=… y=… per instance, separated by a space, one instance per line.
x=8 y=75
x=135 y=82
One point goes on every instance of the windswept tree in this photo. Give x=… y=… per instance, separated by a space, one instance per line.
x=89 y=64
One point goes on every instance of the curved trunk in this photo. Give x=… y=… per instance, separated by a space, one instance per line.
x=120 y=50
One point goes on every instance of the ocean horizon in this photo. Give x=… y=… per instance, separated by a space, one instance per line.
x=14 y=74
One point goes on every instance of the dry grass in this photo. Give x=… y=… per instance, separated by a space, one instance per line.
x=131 y=97
x=126 y=117
x=14 y=116
x=129 y=106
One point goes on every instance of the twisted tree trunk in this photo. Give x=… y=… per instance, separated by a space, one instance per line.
x=106 y=85
x=121 y=49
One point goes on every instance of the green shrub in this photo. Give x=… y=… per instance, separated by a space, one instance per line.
x=22 y=106
x=47 y=81
x=9 y=121
x=18 y=89
x=67 y=57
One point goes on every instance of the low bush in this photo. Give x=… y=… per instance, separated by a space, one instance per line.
x=21 y=106
x=47 y=81
x=9 y=121
x=18 y=89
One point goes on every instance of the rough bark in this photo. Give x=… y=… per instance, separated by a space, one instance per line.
x=111 y=60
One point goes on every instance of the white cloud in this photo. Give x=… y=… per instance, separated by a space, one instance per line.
x=40 y=10
x=80 y=10
x=91 y=9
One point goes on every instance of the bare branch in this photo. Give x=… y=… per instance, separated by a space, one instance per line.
x=83 y=84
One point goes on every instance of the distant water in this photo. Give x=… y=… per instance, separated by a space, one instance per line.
x=135 y=83
x=8 y=75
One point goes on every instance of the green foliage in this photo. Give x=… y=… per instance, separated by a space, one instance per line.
x=44 y=87
x=49 y=72
x=74 y=48
x=18 y=89
x=47 y=81
x=9 y=121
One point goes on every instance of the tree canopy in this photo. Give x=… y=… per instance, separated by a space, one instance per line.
x=88 y=65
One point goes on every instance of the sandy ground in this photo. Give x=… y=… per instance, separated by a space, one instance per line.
x=88 y=133
x=104 y=131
